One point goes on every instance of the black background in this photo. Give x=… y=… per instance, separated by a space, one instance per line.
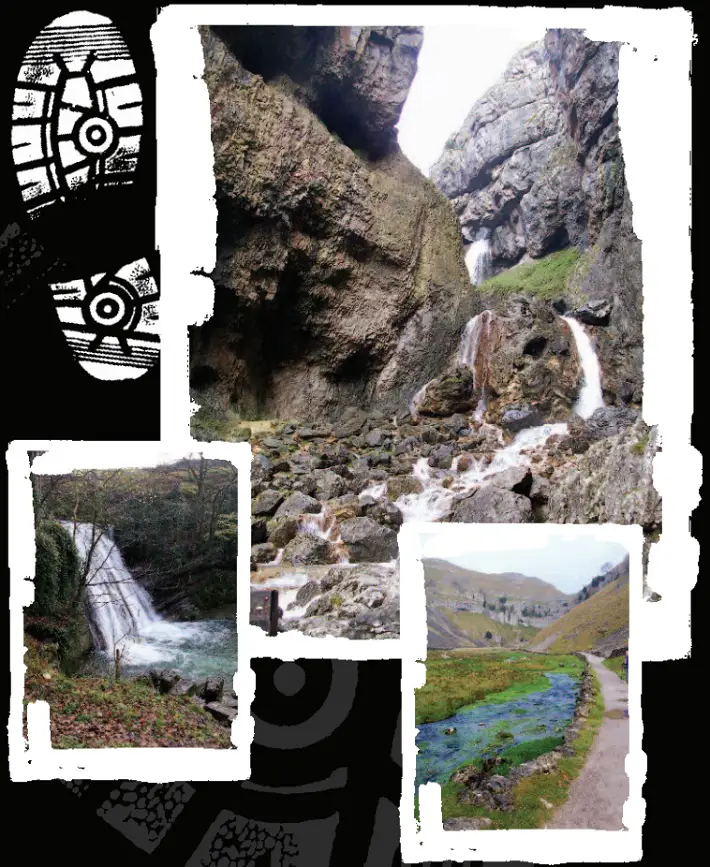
x=47 y=396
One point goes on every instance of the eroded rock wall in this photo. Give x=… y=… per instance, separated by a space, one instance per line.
x=340 y=277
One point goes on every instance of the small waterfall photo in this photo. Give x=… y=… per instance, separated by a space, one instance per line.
x=527 y=712
x=131 y=636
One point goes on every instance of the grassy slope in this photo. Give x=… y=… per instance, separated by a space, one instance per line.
x=475 y=625
x=596 y=617
x=460 y=678
x=99 y=712
x=616 y=664
x=546 y=277
x=529 y=811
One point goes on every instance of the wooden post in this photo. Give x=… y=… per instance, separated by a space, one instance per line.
x=118 y=664
x=274 y=612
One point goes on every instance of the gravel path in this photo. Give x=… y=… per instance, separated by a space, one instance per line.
x=597 y=796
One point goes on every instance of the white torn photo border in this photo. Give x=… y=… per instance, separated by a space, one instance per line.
x=654 y=66
x=35 y=758
x=427 y=840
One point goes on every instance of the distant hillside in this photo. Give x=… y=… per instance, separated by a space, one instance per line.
x=605 y=577
x=466 y=608
x=599 y=624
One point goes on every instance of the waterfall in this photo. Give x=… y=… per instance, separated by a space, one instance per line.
x=590 y=397
x=478 y=258
x=121 y=615
x=474 y=351
x=120 y=608
x=417 y=400
x=324 y=525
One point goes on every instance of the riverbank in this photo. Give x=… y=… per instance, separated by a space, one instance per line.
x=93 y=712
x=516 y=780
x=458 y=678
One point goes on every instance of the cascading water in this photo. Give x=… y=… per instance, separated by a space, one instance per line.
x=436 y=500
x=324 y=525
x=590 y=397
x=418 y=400
x=478 y=258
x=122 y=616
x=473 y=353
x=120 y=608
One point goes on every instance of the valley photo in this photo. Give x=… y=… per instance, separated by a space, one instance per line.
x=523 y=719
x=428 y=297
x=131 y=637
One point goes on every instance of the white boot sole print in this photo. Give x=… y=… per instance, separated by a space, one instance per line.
x=110 y=321
x=77 y=112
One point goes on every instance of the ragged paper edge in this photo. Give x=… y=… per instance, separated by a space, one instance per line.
x=428 y=841
x=35 y=759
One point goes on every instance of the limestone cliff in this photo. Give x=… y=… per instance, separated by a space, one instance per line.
x=340 y=277
x=537 y=167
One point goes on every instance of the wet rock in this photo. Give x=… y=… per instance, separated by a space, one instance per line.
x=384 y=512
x=368 y=541
x=273 y=443
x=375 y=438
x=448 y=394
x=259 y=532
x=450 y=731
x=516 y=479
x=345 y=507
x=298 y=504
x=308 y=593
x=263 y=553
x=267 y=502
x=184 y=686
x=441 y=457
x=397 y=486
x=306 y=550
x=516 y=419
x=493 y=505
x=282 y=530
x=596 y=312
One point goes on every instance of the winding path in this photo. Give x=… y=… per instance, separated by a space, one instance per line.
x=597 y=796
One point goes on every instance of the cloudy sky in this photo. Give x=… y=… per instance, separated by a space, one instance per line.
x=456 y=66
x=568 y=564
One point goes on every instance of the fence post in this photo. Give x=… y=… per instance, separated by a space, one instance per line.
x=274 y=612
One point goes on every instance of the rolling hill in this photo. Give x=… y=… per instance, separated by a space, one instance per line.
x=599 y=624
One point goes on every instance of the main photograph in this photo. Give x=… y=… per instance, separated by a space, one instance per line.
x=428 y=298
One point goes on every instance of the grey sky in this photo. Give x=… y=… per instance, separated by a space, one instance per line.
x=568 y=564
x=456 y=67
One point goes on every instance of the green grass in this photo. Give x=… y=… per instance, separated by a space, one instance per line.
x=600 y=615
x=546 y=277
x=638 y=448
x=457 y=679
x=529 y=811
x=101 y=712
x=616 y=664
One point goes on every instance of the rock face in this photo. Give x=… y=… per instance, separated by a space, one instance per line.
x=611 y=482
x=340 y=276
x=536 y=167
x=360 y=602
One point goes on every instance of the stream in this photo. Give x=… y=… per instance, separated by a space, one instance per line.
x=535 y=715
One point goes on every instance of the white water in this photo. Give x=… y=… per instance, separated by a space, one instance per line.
x=590 y=397
x=324 y=525
x=436 y=500
x=476 y=328
x=478 y=260
x=417 y=400
x=122 y=616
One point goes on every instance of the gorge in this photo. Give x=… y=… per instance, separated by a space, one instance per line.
x=464 y=347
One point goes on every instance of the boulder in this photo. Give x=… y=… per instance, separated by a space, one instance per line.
x=517 y=418
x=306 y=550
x=493 y=505
x=211 y=689
x=368 y=541
x=263 y=553
x=267 y=502
x=223 y=713
x=282 y=530
x=298 y=504
x=516 y=479
x=451 y=393
x=163 y=679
